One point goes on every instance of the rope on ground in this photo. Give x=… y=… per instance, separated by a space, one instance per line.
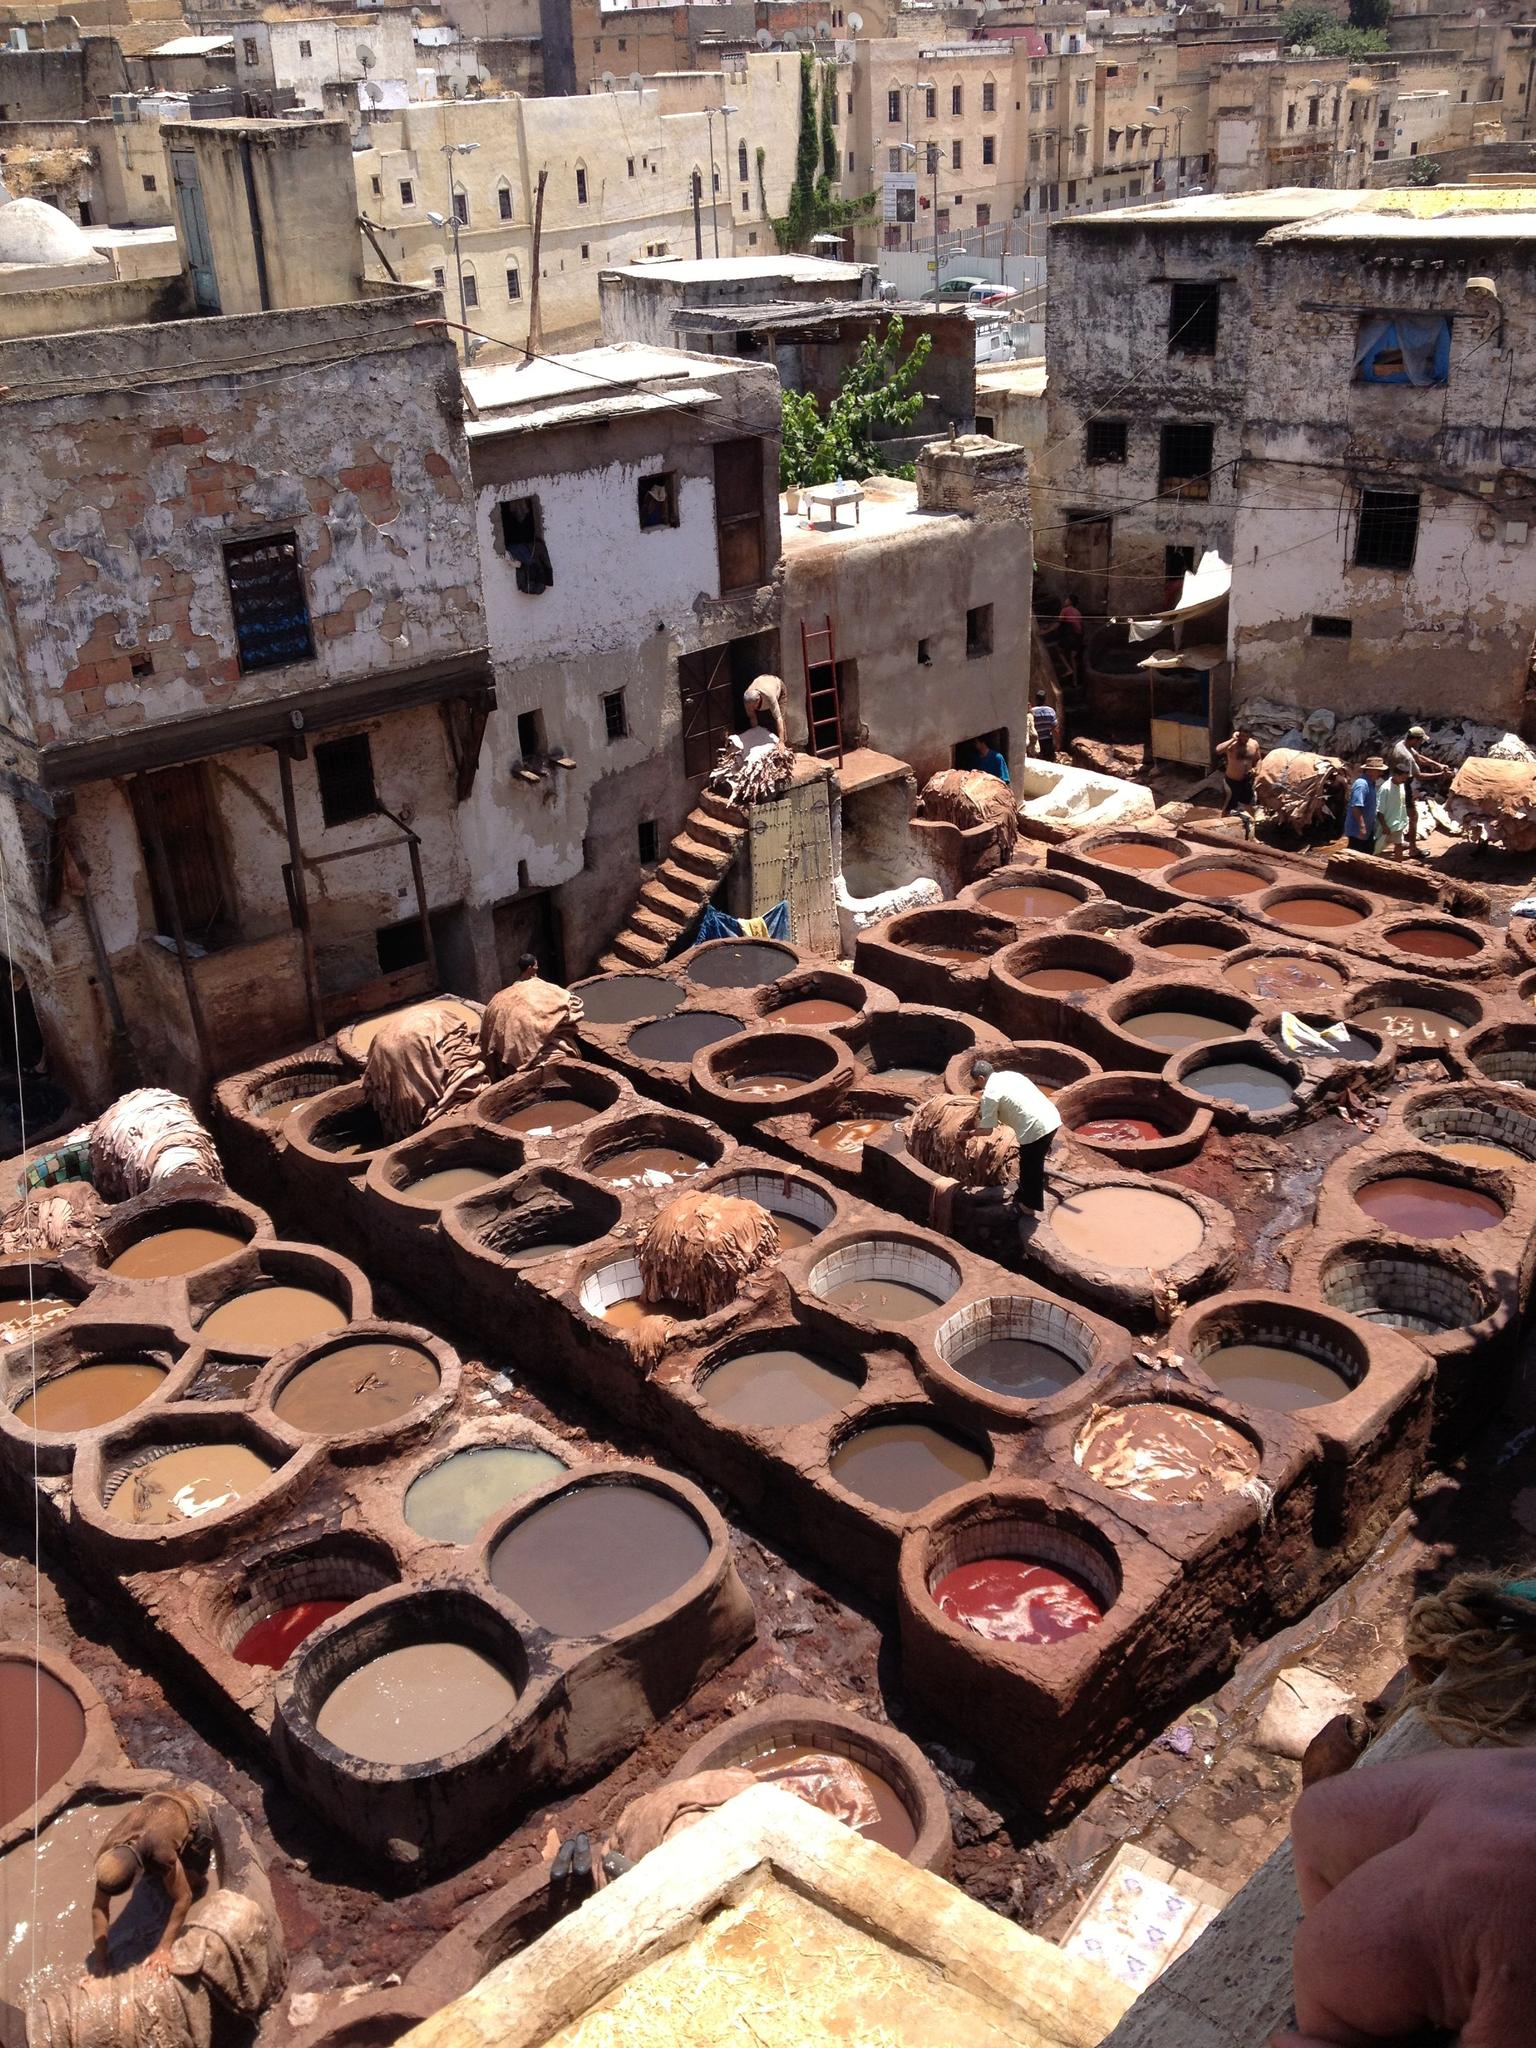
x=1472 y=1659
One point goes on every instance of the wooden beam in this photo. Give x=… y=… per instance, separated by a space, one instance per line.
x=300 y=893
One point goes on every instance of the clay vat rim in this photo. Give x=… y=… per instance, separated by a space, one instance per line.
x=119 y=1232
x=410 y=1470
x=649 y=1125
x=355 y=1300
x=749 y=1048
x=1365 y=1250
x=215 y=1595
x=440 y=1141
x=1012 y=1504
x=681 y=962
x=142 y=1338
x=1430 y=921
x=293 y=1460
x=298 y=1127
x=1289 y=1315
x=1443 y=998
x=561 y=1079
x=1273 y=901
x=285 y=1366
x=836 y=1432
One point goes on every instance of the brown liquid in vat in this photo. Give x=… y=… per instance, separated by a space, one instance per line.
x=267 y=1318
x=675 y=1040
x=167 y=1253
x=793 y=1231
x=777 y=1388
x=1064 y=981
x=747 y=965
x=1173 y=1030
x=1274 y=1376
x=1118 y=1130
x=1219 y=882
x=1134 y=853
x=189 y=1481
x=45 y=1913
x=1188 y=949
x=21 y=1320
x=1415 y=1206
x=1433 y=942
x=1244 y=1082
x=629 y=999
x=1317 y=913
x=634 y=1308
x=42 y=1731
x=89 y=1396
x=851 y=1134
x=276 y=1112
x=409 y=1705
x=1127 y=1227
x=647 y=1165
x=1028 y=899
x=541 y=1248
x=959 y=956
x=596 y=1557
x=549 y=1114
x=904 y=1465
x=1471 y=1153
x=852 y=1793
x=1280 y=975
x=1408 y=1025
x=906 y=1077
x=357 y=1386
x=819 y=1011
x=1161 y=1452
x=882 y=1301
x=1019 y=1368
x=447 y=1184
x=766 y=1083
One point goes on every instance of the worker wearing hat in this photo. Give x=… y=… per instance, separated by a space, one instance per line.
x=1406 y=760
x=1360 y=817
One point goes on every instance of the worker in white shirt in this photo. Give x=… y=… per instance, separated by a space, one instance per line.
x=1014 y=1100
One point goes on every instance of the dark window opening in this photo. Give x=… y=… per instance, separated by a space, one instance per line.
x=956 y=99
x=87 y=218
x=985 y=423
x=504 y=201
x=893 y=105
x=615 y=716
x=183 y=812
x=1414 y=349
x=1107 y=440
x=400 y=945
x=140 y=665
x=471 y=289
x=439 y=278
x=741 y=162
x=978 y=630
x=1326 y=627
x=344 y=771
x=989 y=98
x=1184 y=461
x=1194 y=311
x=530 y=735
x=522 y=536
x=1179 y=559
x=631 y=163
x=648 y=834
x=658 y=500
x=1388 y=531
x=407 y=192
x=461 y=208
x=924 y=658
x=514 y=285
x=989 y=149
x=581 y=188
x=268 y=603
x=151 y=182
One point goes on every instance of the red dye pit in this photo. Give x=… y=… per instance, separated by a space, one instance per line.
x=1117 y=1130
x=1009 y=1600
x=273 y=1641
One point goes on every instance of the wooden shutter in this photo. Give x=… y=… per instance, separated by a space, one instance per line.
x=704 y=684
x=739 y=513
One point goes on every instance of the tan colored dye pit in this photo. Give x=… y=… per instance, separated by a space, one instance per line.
x=1125 y=1227
x=166 y=1254
x=186 y=1483
x=267 y=1318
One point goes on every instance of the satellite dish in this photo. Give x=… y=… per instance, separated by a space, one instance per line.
x=637 y=81
x=788 y=39
x=374 y=92
x=365 y=57
x=764 y=38
x=607 y=81
x=456 y=87
x=824 y=30
x=855 y=22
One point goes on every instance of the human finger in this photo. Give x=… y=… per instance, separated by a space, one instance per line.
x=1370 y=1963
x=1341 y=1822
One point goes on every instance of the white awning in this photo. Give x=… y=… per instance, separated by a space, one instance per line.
x=1186 y=657
x=1204 y=589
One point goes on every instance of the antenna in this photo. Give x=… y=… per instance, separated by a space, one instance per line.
x=365 y=57
x=765 y=38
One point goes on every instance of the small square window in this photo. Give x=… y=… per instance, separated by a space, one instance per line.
x=151 y=182
x=1388 y=532
x=1184 y=461
x=439 y=278
x=1107 y=440
x=344 y=771
x=504 y=201
x=649 y=838
x=978 y=630
x=586 y=252
x=407 y=192
x=248 y=45
x=615 y=716
x=305 y=50
x=400 y=945
x=1326 y=627
x=924 y=657
x=140 y=665
x=530 y=735
x=1194 y=313
x=658 y=500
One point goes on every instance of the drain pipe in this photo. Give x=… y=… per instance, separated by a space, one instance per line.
x=258 y=239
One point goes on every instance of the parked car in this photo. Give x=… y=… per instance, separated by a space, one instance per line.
x=960 y=287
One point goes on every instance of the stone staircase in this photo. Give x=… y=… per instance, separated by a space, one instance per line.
x=696 y=863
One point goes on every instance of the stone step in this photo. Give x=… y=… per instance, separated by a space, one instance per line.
x=612 y=964
x=650 y=924
x=661 y=902
x=721 y=809
x=684 y=884
x=699 y=856
x=634 y=950
x=708 y=831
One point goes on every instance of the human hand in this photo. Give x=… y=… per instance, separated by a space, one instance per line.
x=1418 y=1885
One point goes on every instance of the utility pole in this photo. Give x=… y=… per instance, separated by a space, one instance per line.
x=698 y=225
x=535 y=334
x=933 y=166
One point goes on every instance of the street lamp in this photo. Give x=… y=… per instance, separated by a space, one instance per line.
x=1178 y=113
x=450 y=151
x=911 y=150
x=917 y=85
x=714 y=197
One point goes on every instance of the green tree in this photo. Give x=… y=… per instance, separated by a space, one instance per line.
x=1424 y=171
x=1370 y=13
x=877 y=392
x=799 y=219
x=812 y=208
x=830 y=165
x=1320 y=33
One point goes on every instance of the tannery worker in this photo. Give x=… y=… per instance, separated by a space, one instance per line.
x=1406 y=760
x=763 y=702
x=1360 y=817
x=1239 y=758
x=168 y=1836
x=987 y=757
x=1046 y=722
x=1014 y=1100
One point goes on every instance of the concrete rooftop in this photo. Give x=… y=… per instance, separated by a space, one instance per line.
x=741 y=269
x=587 y=376
x=890 y=508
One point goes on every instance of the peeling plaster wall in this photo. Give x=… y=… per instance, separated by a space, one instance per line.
x=115 y=502
x=1453 y=635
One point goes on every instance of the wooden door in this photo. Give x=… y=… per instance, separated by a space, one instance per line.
x=705 y=685
x=739 y=513
x=193 y=855
x=1087 y=557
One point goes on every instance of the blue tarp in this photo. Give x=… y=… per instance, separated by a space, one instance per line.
x=714 y=924
x=1408 y=348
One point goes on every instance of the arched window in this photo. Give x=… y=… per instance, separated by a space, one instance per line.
x=581 y=184
x=504 y=199
x=741 y=161
x=471 y=290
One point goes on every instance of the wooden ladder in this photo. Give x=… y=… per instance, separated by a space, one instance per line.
x=823 y=700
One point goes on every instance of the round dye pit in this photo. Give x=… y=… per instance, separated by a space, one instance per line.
x=777 y=1388
x=1413 y=1205
x=349 y=1134
x=166 y=1254
x=1434 y=942
x=1471 y=1153
x=1381 y=1285
x=594 y=1559
x=800 y=1211
x=1281 y=977
x=1274 y=1376
x=1245 y=1082
x=548 y=1114
x=794 y=1231
x=1135 y=854
x=1118 y=1130
x=272 y=1641
x=1218 y=884
x=1019 y=1368
x=1127 y=1227
x=1011 y=1600
x=852 y=1793
x=904 y=1465
x=909 y=1076
x=1063 y=981
x=819 y=1012
x=748 y=965
x=957 y=956
x=42 y=1731
x=1028 y=900
x=90 y=1395
x=764 y=1082
x=1408 y=1025
x=633 y=1309
x=882 y=1301
x=1174 y=1030
x=628 y=998
x=411 y=1705
x=269 y=1318
x=183 y=1482
x=1317 y=913
x=647 y=1166
x=849 y=1135
x=432 y=1190
x=357 y=1386
x=673 y=1041
x=1186 y=949
x=450 y=1502
x=1166 y=1454
x=274 y=1112
x=22 y=1320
